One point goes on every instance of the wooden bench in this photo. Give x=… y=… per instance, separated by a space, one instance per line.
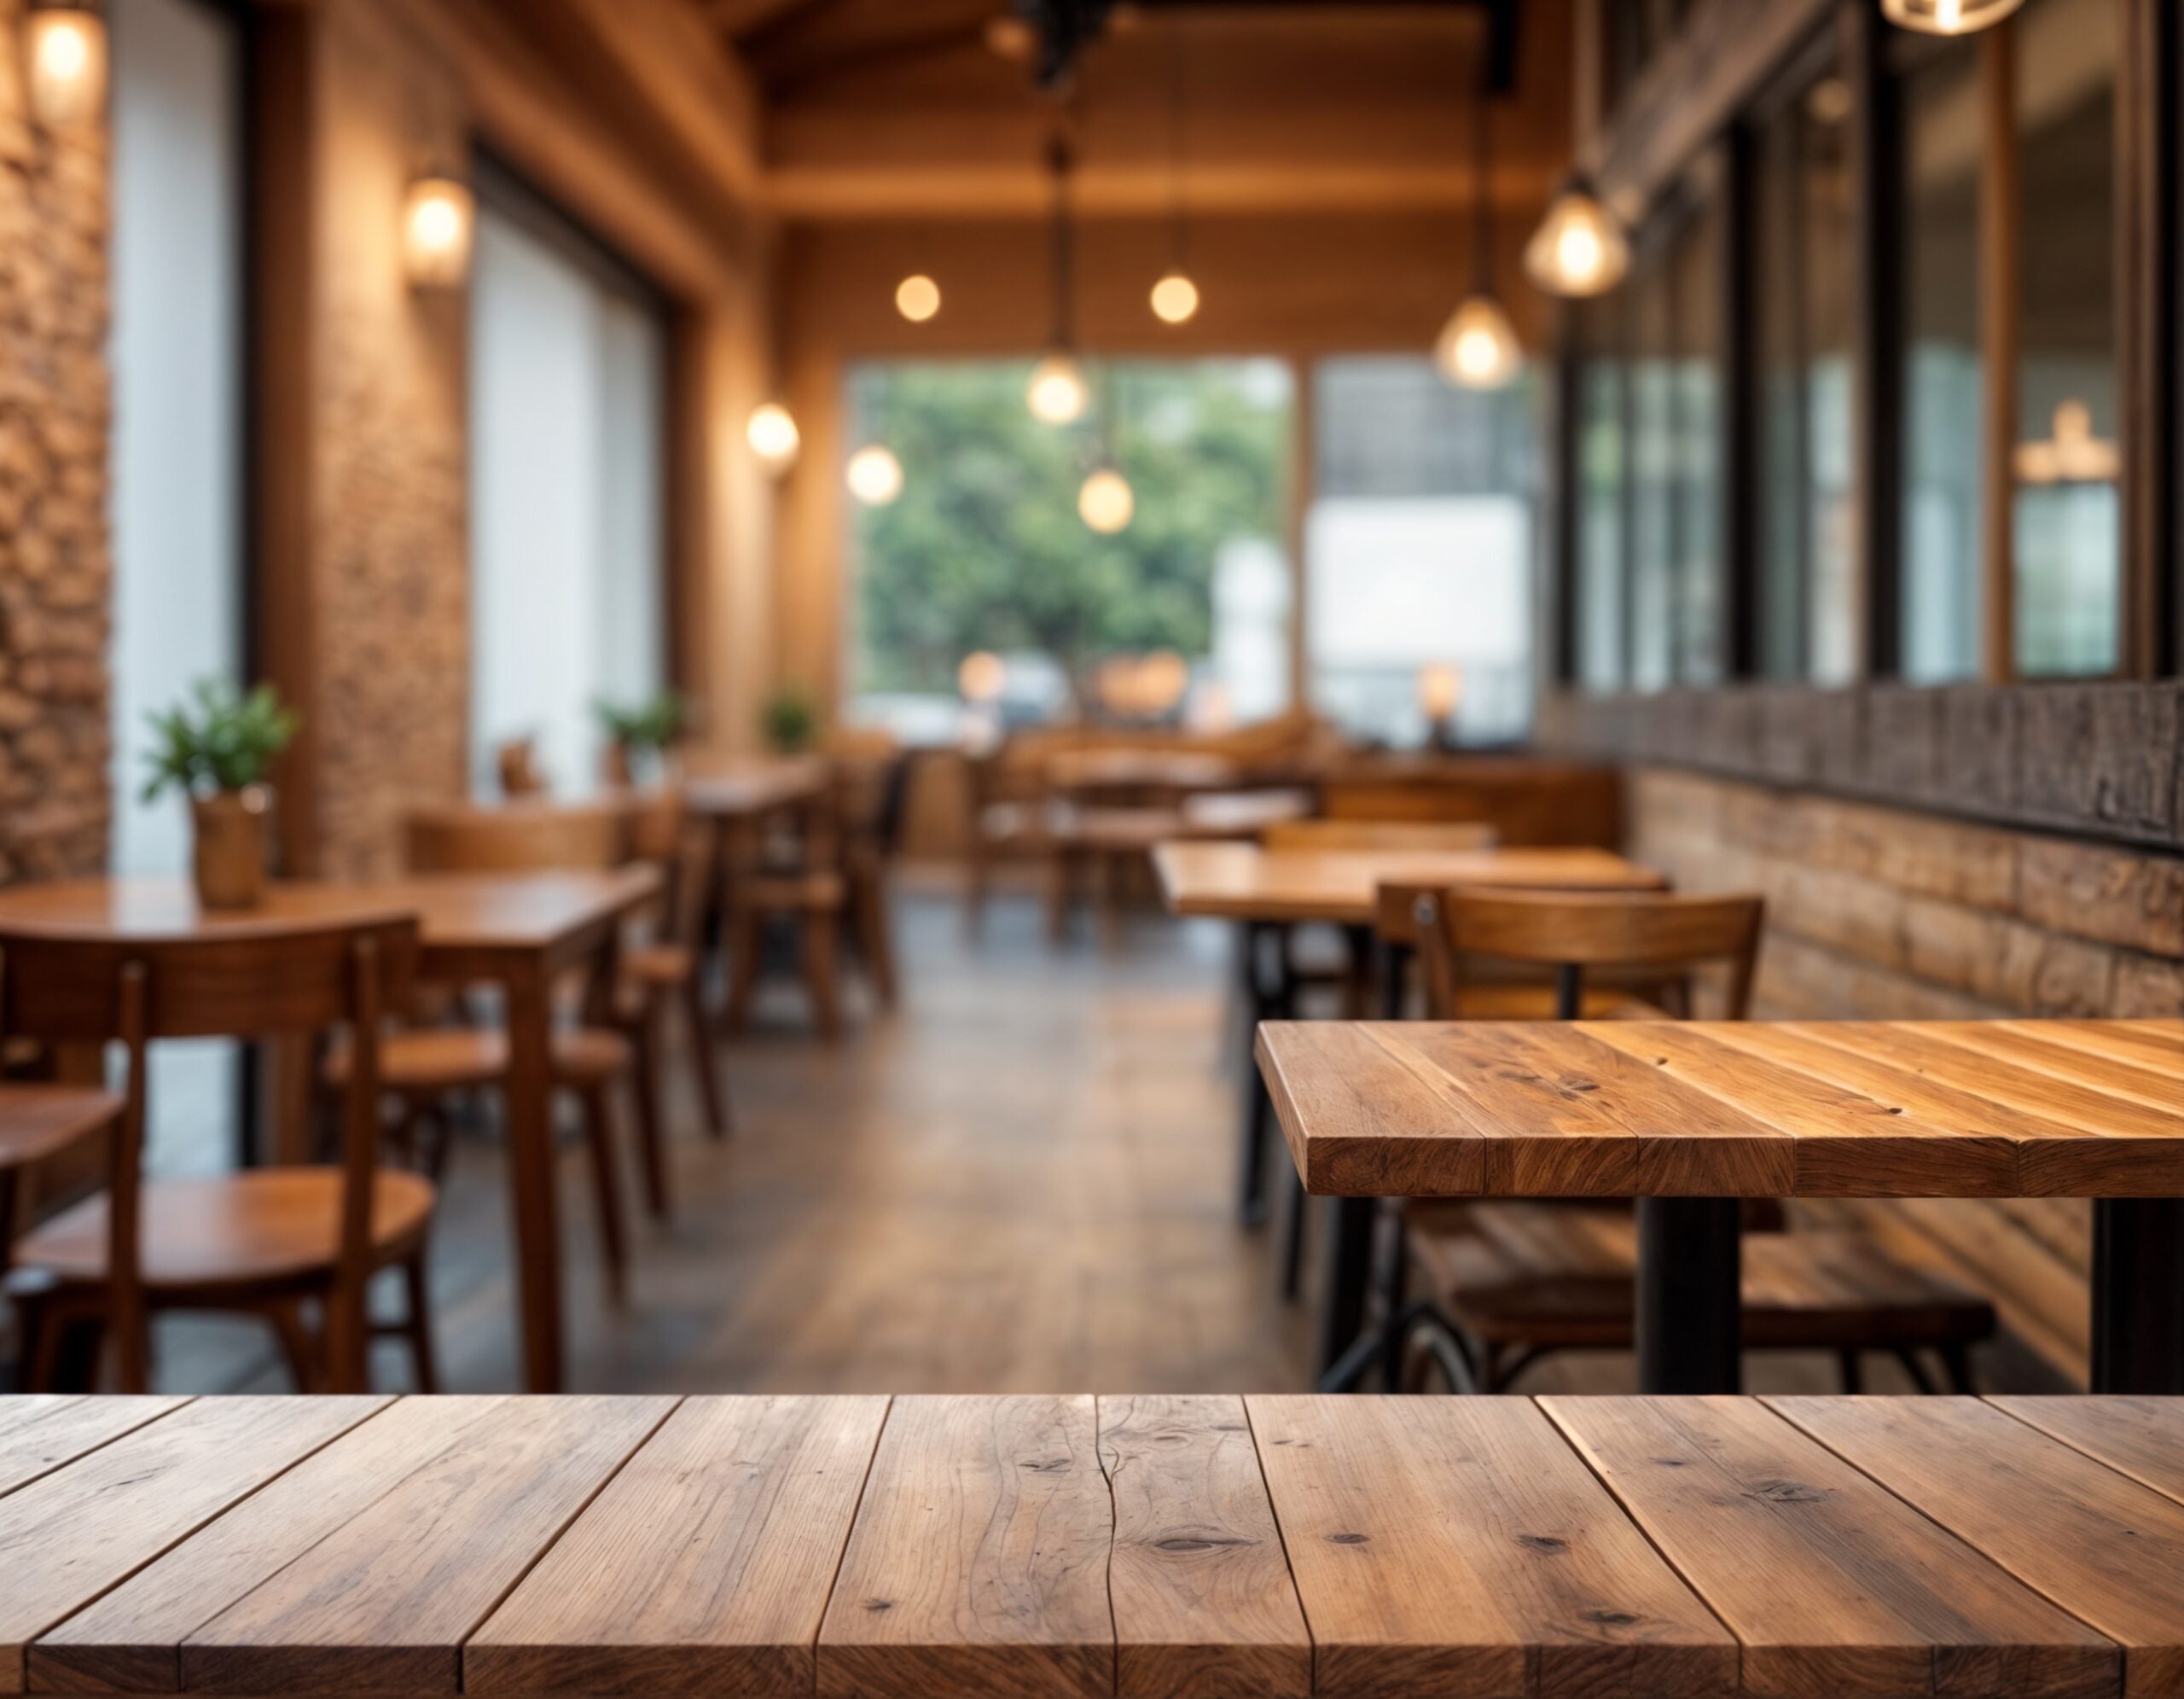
x=1081 y=1546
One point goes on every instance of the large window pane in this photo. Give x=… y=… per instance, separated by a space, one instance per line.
x=1603 y=489
x=1654 y=457
x=1695 y=272
x=1419 y=546
x=1939 y=242
x=2066 y=522
x=984 y=548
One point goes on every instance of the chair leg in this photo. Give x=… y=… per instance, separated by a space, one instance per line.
x=1293 y=1240
x=651 y=1059
x=597 y=1106
x=1847 y=1371
x=703 y=1061
x=1956 y=1364
x=875 y=936
x=1915 y=1368
x=297 y=1348
x=416 y=1298
x=744 y=936
x=976 y=878
x=821 y=950
x=1061 y=880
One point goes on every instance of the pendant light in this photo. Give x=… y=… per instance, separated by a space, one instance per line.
x=773 y=436
x=875 y=475
x=1104 y=501
x=1056 y=393
x=1947 y=17
x=1478 y=347
x=1579 y=248
x=1175 y=297
x=917 y=297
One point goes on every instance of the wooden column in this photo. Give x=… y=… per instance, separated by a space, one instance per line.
x=1998 y=234
x=2145 y=341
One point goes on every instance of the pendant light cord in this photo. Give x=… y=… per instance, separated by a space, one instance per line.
x=1178 y=237
x=1059 y=162
x=1482 y=262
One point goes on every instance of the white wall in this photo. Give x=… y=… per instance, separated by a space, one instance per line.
x=566 y=522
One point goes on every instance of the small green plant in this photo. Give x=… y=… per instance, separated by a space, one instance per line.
x=656 y=724
x=790 y=722
x=225 y=742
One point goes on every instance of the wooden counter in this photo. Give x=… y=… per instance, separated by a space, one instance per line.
x=1082 y=1546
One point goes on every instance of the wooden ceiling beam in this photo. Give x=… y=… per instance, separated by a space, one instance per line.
x=691 y=77
x=737 y=19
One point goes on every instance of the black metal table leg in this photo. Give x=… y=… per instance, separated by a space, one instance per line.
x=1348 y=1275
x=1690 y=1313
x=1261 y=1002
x=2138 y=1296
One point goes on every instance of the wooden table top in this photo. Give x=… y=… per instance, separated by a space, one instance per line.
x=1772 y=1109
x=467 y=910
x=1075 y=1546
x=1247 y=882
x=1176 y=769
x=739 y=787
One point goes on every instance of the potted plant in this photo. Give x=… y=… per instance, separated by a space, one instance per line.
x=790 y=723
x=216 y=750
x=642 y=736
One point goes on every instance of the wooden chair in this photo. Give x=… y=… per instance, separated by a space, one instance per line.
x=423 y=1067
x=1510 y=1283
x=269 y=1242
x=38 y=1121
x=804 y=884
x=666 y=967
x=872 y=792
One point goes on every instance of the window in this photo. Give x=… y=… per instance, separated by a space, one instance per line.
x=1938 y=240
x=984 y=549
x=2066 y=521
x=1603 y=457
x=1695 y=270
x=1654 y=453
x=567 y=487
x=1419 y=548
x=1802 y=248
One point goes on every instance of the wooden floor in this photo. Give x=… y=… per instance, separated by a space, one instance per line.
x=1021 y=1182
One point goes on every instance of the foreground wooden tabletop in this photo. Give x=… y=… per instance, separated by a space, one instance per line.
x=1073 y=1545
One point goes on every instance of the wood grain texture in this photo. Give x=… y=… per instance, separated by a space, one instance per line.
x=1199 y=1584
x=130 y=1640
x=705 y=1566
x=41 y=1431
x=2143 y=1437
x=1830 y=1583
x=1458 y=1546
x=66 y=1539
x=1243 y=881
x=978 y=1563
x=2106 y=1548
x=385 y=1601
x=1360 y=1111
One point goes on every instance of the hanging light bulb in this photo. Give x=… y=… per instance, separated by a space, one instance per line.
x=1056 y=393
x=65 y=49
x=1579 y=248
x=982 y=677
x=1478 y=349
x=1175 y=299
x=436 y=220
x=1947 y=17
x=917 y=297
x=1105 y=501
x=773 y=436
x=875 y=475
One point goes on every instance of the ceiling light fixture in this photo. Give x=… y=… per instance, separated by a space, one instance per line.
x=875 y=475
x=917 y=297
x=1579 y=248
x=1947 y=17
x=1056 y=392
x=1104 y=501
x=1478 y=347
x=1175 y=297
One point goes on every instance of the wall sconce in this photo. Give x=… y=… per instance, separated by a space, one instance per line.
x=1947 y=17
x=67 y=50
x=437 y=221
x=773 y=436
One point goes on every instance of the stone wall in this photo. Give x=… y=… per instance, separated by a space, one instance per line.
x=55 y=563
x=1892 y=912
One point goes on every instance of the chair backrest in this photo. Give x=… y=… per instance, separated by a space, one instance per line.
x=249 y=979
x=1662 y=936
x=527 y=837
x=1531 y=804
x=1377 y=835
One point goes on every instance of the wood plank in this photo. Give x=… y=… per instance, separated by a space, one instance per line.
x=2025 y=1045
x=1364 y=1115
x=1444 y=1546
x=41 y=1431
x=1569 y=1117
x=67 y=1538
x=2103 y=1546
x=1830 y=1583
x=1200 y=1588
x=2143 y=1437
x=1847 y=1141
x=130 y=1640
x=705 y=1566
x=978 y=1563
x=386 y=1600
x=2120 y=1148
x=2156 y=1043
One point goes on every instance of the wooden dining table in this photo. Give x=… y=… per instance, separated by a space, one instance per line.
x=521 y=933
x=1689 y=1118
x=1072 y=1546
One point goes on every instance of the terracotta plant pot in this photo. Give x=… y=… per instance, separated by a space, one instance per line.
x=228 y=853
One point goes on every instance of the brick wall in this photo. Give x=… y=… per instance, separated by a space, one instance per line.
x=55 y=565
x=1888 y=912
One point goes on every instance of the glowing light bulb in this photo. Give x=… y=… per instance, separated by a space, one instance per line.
x=1440 y=688
x=67 y=54
x=917 y=297
x=1106 y=502
x=773 y=435
x=875 y=475
x=436 y=228
x=1579 y=248
x=1175 y=299
x=982 y=677
x=1477 y=348
x=1056 y=393
x=1947 y=17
